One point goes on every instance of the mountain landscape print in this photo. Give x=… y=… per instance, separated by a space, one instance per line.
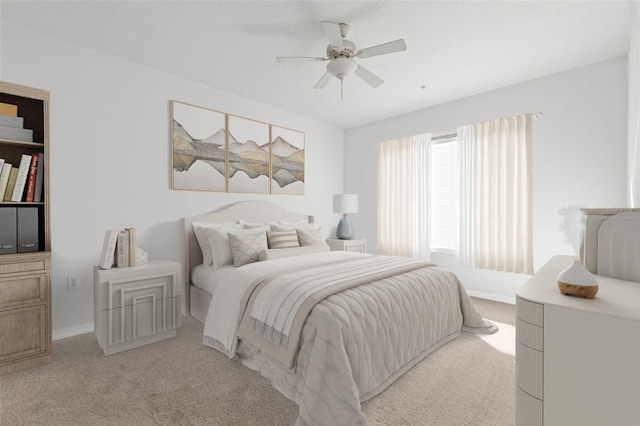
x=214 y=151
x=248 y=155
x=287 y=161
x=199 y=148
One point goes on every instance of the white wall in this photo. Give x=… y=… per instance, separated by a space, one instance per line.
x=579 y=157
x=634 y=107
x=110 y=158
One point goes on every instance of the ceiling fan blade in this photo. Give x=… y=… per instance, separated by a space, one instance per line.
x=323 y=81
x=383 y=49
x=332 y=30
x=300 y=59
x=369 y=77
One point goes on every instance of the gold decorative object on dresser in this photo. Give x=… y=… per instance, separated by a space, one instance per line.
x=25 y=236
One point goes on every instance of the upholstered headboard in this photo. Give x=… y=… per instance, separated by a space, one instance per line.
x=251 y=211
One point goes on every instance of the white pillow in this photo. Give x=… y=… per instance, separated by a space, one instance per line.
x=281 y=240
x=293 y=251
x=310 y=237
x=281 y=228
x=246 y=248
x=220 y=247
x=202 y=231
x=250 y=225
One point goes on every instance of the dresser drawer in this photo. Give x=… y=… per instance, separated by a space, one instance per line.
x=23 y=332
x=123 y=292
x=529 y=364
x=23 y=290
x=24 y=263
x=528 y=409
x=529 y=335
x=530 y=312
x=145 y=317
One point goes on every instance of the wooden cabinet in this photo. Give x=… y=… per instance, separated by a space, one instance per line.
x=25 y=269
x=25 y=311
x=359 y=246
x=137 y=305
x=576 y=359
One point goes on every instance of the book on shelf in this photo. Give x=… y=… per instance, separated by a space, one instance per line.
x=108 y=249
x=13 y=133
x=37 y=196
x=13 y=175
x=8 y=109
x=1 y=163
x=31 y=179
x=21 y=180
x=121 y=258
x=132 y=246
x=9 y=121
x=4 y=178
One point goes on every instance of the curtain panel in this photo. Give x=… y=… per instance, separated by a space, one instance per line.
x=395 y=197
x=422 y=196
x=496 y=194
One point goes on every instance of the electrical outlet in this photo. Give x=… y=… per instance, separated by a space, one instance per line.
x=73 y=283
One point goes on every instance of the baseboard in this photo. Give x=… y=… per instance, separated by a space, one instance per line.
x=73 y=331
x=491 y=296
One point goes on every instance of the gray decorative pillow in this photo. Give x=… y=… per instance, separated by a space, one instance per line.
x=310 y=237
x=246 y=248
x=280 y=240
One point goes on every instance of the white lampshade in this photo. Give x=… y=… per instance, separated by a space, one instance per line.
x=345 y=203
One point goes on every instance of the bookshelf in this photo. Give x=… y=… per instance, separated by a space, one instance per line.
x=25 y=272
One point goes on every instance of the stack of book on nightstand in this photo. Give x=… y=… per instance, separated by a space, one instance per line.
x=119 y=249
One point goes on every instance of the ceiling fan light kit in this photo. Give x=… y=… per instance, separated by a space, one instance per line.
x=341 y=53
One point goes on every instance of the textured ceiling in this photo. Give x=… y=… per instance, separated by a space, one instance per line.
x=454 y=48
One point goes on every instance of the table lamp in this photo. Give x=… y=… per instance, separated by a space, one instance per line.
x=345 y=203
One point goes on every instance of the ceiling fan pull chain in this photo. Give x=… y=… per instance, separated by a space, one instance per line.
x=341 y=84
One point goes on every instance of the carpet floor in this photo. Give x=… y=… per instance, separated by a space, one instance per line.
x=469 y=381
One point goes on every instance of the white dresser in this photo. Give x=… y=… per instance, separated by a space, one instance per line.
x=577 y=360
x=137 y=305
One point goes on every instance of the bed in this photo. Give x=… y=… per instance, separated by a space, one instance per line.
x=329 y=329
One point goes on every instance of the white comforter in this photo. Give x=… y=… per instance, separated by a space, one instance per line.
x=354 y=343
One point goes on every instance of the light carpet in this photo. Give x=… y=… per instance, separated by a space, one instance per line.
x=469 y=381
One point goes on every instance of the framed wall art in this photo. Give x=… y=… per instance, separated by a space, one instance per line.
x=287 y=161
x=199 y=148
x=248 y=153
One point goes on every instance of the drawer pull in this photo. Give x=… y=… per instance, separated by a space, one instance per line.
x=27 y=245
x=7 y=247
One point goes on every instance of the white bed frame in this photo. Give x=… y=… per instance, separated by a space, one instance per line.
x=196 y=301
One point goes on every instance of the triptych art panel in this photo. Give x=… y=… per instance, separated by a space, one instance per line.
x=215 y=151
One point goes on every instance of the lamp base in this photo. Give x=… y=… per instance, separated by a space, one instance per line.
x=345 y=228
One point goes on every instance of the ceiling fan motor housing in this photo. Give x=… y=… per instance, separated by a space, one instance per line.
x=349 y=50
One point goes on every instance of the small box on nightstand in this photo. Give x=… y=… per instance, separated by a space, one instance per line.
x=137 y=305
x=358 y=246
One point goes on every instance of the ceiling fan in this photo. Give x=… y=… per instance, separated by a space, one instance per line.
x=341 y=53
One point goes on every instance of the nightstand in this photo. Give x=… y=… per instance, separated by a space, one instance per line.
x=137 y=305
x=358 y=246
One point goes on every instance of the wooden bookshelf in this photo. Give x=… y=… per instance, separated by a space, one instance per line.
x=25 y=277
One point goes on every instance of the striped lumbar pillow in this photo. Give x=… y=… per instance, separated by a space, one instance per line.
x=284 y=239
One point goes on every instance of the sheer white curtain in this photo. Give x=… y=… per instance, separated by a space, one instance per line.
x=395 y=197
x=495 y=225
x=465 y=252
x=421 y=196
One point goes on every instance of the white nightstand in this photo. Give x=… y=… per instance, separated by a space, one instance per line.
x=359 y=246
x=137 y=305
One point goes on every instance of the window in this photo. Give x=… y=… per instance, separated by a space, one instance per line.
x=443 y=194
